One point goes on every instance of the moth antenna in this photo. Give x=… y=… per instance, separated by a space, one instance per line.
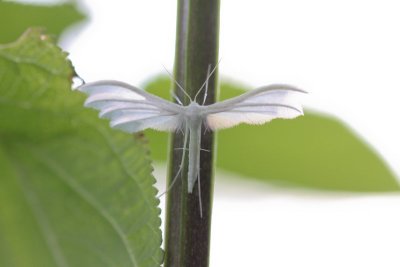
x=206 y=81
x=180 y=165
x=206 y=90
x=176 y=82
x=199 y=189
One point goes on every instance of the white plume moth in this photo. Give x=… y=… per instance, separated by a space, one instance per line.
x=131 y=109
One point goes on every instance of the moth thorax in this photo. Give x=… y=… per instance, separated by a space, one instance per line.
x=193 y=110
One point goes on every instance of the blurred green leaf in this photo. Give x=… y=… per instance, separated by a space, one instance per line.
x=313 y=151
x=15 y=18
x=73 y=192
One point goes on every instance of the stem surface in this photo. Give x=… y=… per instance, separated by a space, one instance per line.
x=187 y=235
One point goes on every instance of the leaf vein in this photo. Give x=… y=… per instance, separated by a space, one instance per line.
x=19 y=60
x=40 y=217
x=69 y=181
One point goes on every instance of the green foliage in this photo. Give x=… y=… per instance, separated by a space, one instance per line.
x=73 y=192
x=313 y=151
x=15 y=18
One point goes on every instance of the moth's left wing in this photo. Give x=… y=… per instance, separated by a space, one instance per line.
x=255 y=107
x=131 y=109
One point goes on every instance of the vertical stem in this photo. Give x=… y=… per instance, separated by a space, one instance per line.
x=187 y=235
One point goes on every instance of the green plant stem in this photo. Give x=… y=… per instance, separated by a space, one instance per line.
x=187 y=235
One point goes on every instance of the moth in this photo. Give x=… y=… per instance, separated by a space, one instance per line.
x=131 y=109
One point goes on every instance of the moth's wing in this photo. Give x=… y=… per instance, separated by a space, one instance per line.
x=255 y=107
x=131 y=109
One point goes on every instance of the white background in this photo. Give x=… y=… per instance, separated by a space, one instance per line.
x=346 y=53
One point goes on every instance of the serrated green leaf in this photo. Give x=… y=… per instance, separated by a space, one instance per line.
x=314 y=151
x=15 y=18
x=73 y=192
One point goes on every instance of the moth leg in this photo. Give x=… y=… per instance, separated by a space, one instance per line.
x=201 y=149
x=206 y=128
x=179 y=172
x=173 y=182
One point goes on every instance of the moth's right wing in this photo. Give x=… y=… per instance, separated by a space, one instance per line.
x=255 y=107
x=131 y=109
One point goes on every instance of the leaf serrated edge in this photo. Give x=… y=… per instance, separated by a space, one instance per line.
x=38 y=34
